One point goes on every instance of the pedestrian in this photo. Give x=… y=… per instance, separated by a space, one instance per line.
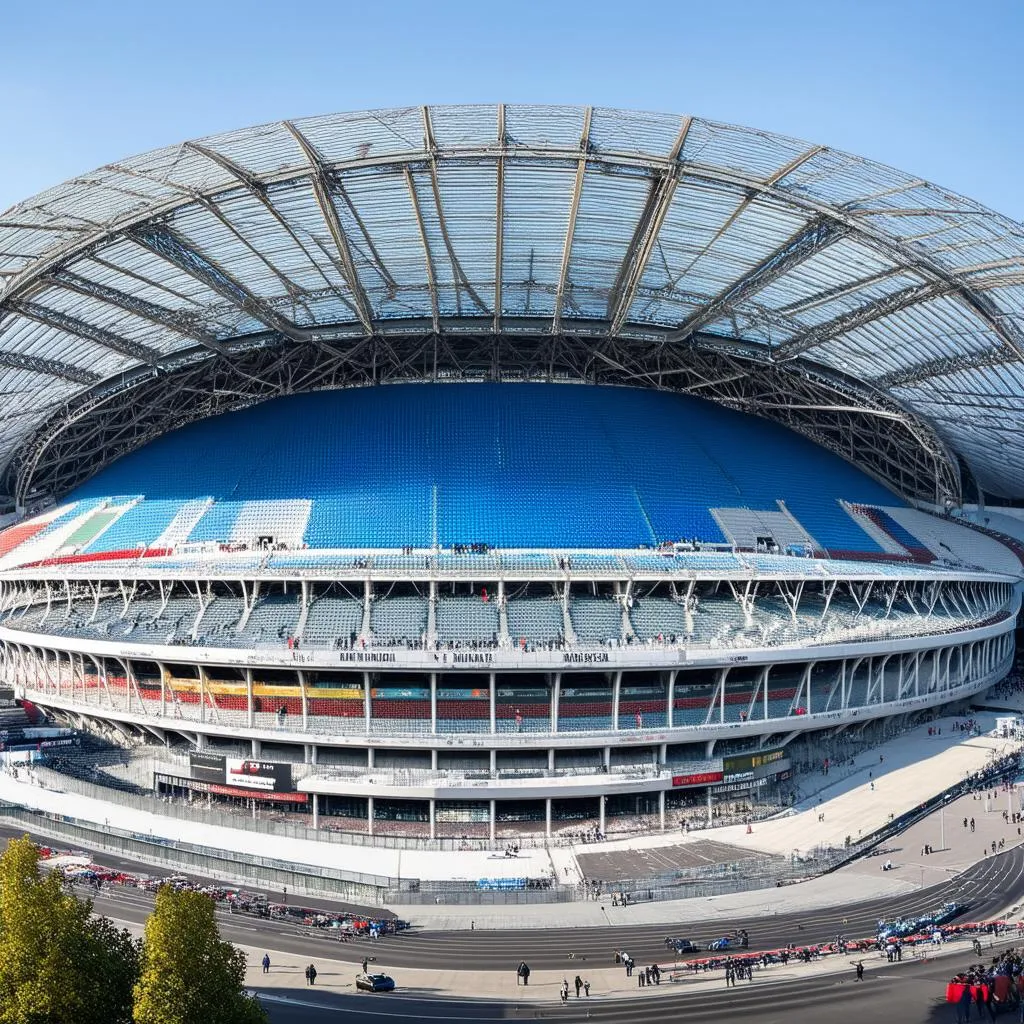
x=308 y=982
x=578 y=982
x=312 y=974
x=565 y=990
x=586 y=988
x=860 y=970
x=963 y=1006
x=366 y=961
x=266 y=963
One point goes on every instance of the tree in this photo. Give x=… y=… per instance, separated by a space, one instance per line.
x=58 y=963
x=189 y=975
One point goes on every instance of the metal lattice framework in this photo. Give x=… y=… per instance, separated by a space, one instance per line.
x=875 y=312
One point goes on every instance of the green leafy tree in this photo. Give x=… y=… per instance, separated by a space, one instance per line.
x=189 y=975
x=58 y=963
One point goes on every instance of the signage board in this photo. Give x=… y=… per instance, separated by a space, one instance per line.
x=264 y=776
x=743 y=765
x=696 y=779
x=208 y=767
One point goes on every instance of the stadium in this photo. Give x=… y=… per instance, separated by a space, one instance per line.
x=487 y=473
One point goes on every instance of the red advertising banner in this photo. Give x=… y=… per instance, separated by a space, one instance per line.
x=696 y=779
x=247 y=794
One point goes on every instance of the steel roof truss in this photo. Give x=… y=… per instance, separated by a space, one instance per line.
x=80 y=329
x=167 y=243
x=570 y=227
x=645 y=235
x=859 y=317
x=322 y=190
x=48 y=367
x=177 y=321
x=817 y=235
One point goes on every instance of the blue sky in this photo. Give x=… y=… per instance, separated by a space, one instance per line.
x=936 y=88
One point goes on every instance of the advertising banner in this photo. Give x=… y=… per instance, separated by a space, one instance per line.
x=208 y=767
x=176 y=782
x=264 y=776
x=743 y=766
x=696 y=779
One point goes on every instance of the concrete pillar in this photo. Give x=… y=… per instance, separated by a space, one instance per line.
x=661 y=809
x=607 y=758
x=551 y=759
x=556 y=697
x=433 y=807
x=547 y=817
x=600 y=804
x=369 y=815
x=494 y=762
x=306 y=755
x=433 y=702
x=433 y=760
x=494 y=820
x=492 y=699
x=670 y=711
x=305 y=701
x=250 y=710
x=257 y=748
x=201 y=741
x=616 y=695
x=316 y=811
x=313 y=754
x=367 y=709
x=663 y=755
x=370 y=757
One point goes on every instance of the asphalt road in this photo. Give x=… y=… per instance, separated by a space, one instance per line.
x=987 y=886
x=908 y=993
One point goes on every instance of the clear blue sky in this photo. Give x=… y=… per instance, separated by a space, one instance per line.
x=935 y=88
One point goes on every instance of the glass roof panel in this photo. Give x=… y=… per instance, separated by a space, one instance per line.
x=738 y=229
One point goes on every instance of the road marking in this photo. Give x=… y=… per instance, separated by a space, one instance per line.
x=310 y=1005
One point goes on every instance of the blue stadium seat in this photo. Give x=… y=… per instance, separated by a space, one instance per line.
x=509 y=465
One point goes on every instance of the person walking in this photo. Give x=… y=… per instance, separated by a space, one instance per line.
x=586 y=988
x=308 y=982
x=312 y=974
x=266 y=963
x=859 y=967
x=578 y=982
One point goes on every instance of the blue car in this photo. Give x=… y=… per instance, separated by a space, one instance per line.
x=720 y=945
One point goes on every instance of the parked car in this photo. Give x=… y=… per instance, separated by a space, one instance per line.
x=375 y=983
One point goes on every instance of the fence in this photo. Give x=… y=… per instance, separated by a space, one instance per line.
x=174 y=856
x=229 y=866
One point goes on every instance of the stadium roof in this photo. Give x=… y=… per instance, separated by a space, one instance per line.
x=682 y=252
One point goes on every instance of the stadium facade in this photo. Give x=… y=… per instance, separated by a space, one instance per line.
x=500 y=468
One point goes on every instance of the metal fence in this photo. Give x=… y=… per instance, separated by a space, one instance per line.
x=173 y=856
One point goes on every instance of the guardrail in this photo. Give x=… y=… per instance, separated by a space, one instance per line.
x=224 y=865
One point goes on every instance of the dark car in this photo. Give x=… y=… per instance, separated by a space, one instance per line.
x=685 y=946
x=375 y=983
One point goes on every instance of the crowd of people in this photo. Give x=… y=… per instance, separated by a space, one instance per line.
x=988 y=987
